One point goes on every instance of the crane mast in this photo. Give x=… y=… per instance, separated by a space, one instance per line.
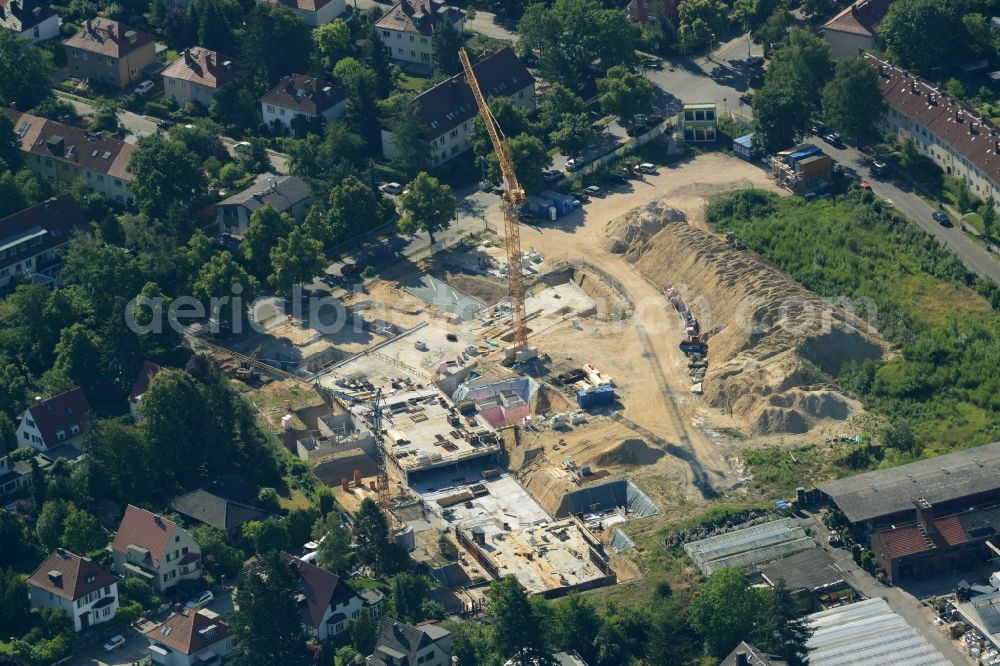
x=512 y=199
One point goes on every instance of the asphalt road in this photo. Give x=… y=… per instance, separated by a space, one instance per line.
x=975 y=257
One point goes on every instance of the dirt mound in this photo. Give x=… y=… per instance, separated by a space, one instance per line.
x=772 y=344
x=629 y=452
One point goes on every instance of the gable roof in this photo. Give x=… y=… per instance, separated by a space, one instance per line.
x=65 y=143
x=146 y=374
x=451 y=103
x=189 y=631
x=305 y=94
x=109 y=38
x=756 y=656
x=301 y=5
x=40 y=228
x=319 y=588
x=70 y=576
x=419 y=16
x=27 y=13
x=282 y=192
x=60 y=412
x=212 y=506
x=203 y=66
x=146 y=530
x=859 y=18
x=948 y=531
x=402 y=641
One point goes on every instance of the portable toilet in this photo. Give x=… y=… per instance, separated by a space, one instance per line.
x=562 y=202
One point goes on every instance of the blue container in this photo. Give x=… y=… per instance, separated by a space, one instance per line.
x=562 y=202
x=603 y=395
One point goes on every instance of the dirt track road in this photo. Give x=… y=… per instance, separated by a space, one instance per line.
x=644 y=357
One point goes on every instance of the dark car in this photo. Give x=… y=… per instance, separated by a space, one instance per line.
x=348 y=270
x=165 y=124
x=834 y=140
x=942 y=218
x=746 y=98
x=618 y=179
x=755 y=61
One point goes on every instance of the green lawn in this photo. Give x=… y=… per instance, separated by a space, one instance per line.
x=412 y=83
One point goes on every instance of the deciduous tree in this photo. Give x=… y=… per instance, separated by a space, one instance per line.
x=518 y=631
x=332 y=41
x=82 y=533
x=267 y=226
x=530 y=160
x=165 y=176
x=447 y=40
x=371 y=532
x=24 y=72
x=574 y=134
x=852 y=101
x=726 y=610
x=296 y=259
x=427 y=205
x=267 y=625
x=624 y=93
x=922 y=33
x=334 y=552
x=223 y=278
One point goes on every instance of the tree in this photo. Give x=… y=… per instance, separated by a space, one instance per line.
x=518 y=631
x=574 y=134
x=852 y=101
x=773 y=30
x=725 y=610
x=963 y=196
x=105 y=116
x=752 y=14
x=702 y=22
x=818 y=7
x=410 y=148
x=988 y=212
x=805 y=59
x=427 y=205
x=51 y=523
x=175 y=426
x=332 y=41
x=574 y=625
x=530 y=159
x=408 y=594
x=11 y=158
x=16 y=542
x=625 y=94
x=363 y=636
x=223 y=278
x=296 y=259
x=15 y=609
x=267 y=625
x=352 y=209
x=447 y=40
x=510 y=118
x=221 y=559
x=138 y=590
x=81 y=532
x=371 y=531
x=77 y=363
x=922 y=33
x=899 y=435
x=165 y=177
x=299 y=523
x=24 y=72
x=558 y=101
x=267 y=226
x=783 y=631
x=274 y=43
x=234 y=107
x=334 y=552
x=268 y=536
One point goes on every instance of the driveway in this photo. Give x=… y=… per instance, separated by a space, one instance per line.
x=135 y=648
x=975 y=257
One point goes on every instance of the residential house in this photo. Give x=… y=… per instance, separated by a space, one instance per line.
x=223 y=504
x=327 y=603
x=854 y=29
x=64 y=153
x=699 y=122
x=29 y=19
x=427 y=644
x=155 y=549
x=650 y=11
x=955 y=136
x=190 y=638
x=110 y=52
x=84 y=591
x=32 y=240
x=305 y=98
x=314 y=13
x=407 y=29
x=197 y=75
x=447 y=110
x=141 y=385
x=745 y=654
x=58 y=420
x=286 y=194
x=15 y=475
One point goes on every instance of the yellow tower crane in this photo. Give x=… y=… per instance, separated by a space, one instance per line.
x=513 y=197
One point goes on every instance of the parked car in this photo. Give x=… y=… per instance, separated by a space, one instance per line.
x=879 y=168
x=201 y=600
x=746 y=98
x=593 y=191
x=755 y=61
x=646 y=167
x=165 y=124
x=116 y=642
x=865 y=185
x=942 y=218
x=550 y=175
x=348 y=270
x=571 y=165
x=390 y=188
x=143 y=88
x=818 y=129
x=834 y=140
x=618 y=178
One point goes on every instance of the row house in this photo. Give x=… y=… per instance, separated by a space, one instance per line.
x=110 y=52
x=32 y=240
x=159 y=551
x=408 y=28
x=65 y=153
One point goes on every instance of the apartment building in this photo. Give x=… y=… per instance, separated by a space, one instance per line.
x=159 y=551
x=32 y=240
x=959 y=140
x=408 y=27
x=447 y=110
x=109 y=52
x=29 y=19
x=314 y=13
x=64 y=153
x=197 y=75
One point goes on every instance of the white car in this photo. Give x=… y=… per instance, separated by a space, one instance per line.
x=200 y=601
x=391 y=188
x=570 y=165
x=143 y=87
x=114 y=643
x=646 y=167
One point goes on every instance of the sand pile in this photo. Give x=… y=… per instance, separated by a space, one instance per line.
x=772 y=344
x=629 y=452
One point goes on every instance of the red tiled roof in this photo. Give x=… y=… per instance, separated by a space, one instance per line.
x=60 y=412
x=912 y=539
x=79 y=576
x=145 y=530
x=976 y=138
x=202 y=66
x=59 y=217
x=428 y=13
x=109 y=38
x=303 y=5
x=65 y=143
x=146 y=374
x=189 y=632
x=859 y=18
x=305 y=94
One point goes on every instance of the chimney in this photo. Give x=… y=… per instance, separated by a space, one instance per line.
x=111 y=30
x=973 y=128
x=55 y=577
x=86 y=26
x=932 y=99
x=158 y=520
x=959 y=116
x=187 y=57
x=61 y=552
x=925 y=516
x=37 y=11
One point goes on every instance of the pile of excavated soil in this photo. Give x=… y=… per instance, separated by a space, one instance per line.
x=629 y=452
x=772 y=344
x=486 y=290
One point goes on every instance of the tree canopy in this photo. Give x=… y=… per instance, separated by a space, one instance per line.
x=852 y=101
x=267 y=625
x=427 y=205
x=24 y=72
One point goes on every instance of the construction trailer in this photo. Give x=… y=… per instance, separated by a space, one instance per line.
x=562 y=202
x=802 y=169
x=540 y=207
